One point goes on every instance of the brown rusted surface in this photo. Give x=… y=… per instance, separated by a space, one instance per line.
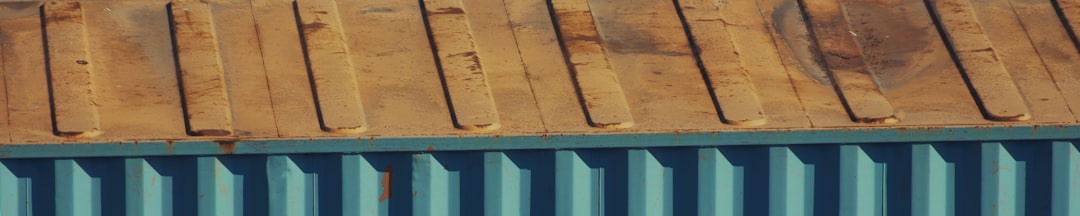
x=4 y=134
x=730 y=82
x=24 y=74
x=71 y=75
x=596 y=80
x=1050 y=40
x=988 y=77
x=331 y=68
x=206 y=100
x=385 y=183
x=242 y=62
x=1021 y=37
x=371 y=68
x=844 y=60
x=463 y=70
x=544 y=69
x=227 y=146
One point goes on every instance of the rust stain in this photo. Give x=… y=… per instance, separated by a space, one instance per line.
x=386 y=183
x=592 y=38
x=68 y=11
x=450 y=10
x=227 y=146
x=430 y=149
x=314 y=27
x=223 y=190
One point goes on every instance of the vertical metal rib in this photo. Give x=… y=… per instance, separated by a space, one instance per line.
x=1065 y=195
x=74 y=189
x=145 y=194
x=216 y=188
x=788 y=189
x=719 y=58
x=854 y=80
x=290 y=193
x=573 y=188
x=363 y=188
x=596 y=80
x=929 y=182
x=503 y=186
x=998 y=96
x=332 y=73
x=13 y=199
x=462 y=68
x=646 y=191
x=201 y=72
x=5 y=128
x=71 y=69
x=430 y=186
x=718 y=185
x=860 y=189
x=999 y=181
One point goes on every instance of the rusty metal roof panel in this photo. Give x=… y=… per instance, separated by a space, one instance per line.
x=115 y=70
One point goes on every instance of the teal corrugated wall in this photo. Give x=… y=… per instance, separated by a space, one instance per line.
x=947 y=178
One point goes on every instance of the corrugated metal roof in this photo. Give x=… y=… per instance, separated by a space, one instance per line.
x=106 y=71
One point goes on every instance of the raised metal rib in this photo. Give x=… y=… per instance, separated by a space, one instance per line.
x=597 y=82
x=71 y=70
x=999 y=98
x=332 y=72
x=730 y=81
x=462 y=68
x=865 y=101
x=205 y=94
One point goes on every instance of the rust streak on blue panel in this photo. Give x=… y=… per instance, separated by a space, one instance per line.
x=216 y=188
x=145 y=188
x=362 y=190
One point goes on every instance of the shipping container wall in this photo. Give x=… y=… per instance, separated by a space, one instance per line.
x=953 y=178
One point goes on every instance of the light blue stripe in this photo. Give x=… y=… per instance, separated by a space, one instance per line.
x=430 y=187
x=788 y=182
x=12 y=202
x=502 y=186
x=573 y=186
x=647 y=187
x=543 y=141
x=74 y=190
x=361 y=186
x=217 y=189
x=144 y=188
x=290 y=192
x=860 y=193
x=999 y=185
x=1065 y=186
x=929 y=182
x=719 y=185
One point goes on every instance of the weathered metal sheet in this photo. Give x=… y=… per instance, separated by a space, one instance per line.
x=539 y=107
x=152 y=71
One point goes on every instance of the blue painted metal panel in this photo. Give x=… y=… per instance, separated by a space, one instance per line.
x=943 y=178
